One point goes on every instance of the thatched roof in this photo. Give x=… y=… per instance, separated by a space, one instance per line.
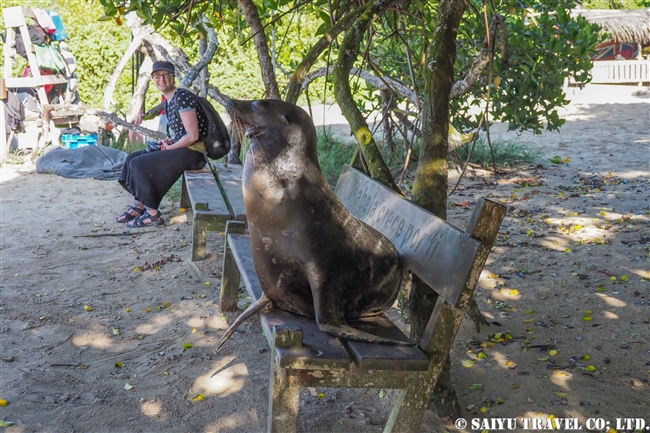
x=622 y=25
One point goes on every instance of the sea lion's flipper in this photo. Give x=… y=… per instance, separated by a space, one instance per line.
x=261 y=305
x=347 y=332
x=330 y=321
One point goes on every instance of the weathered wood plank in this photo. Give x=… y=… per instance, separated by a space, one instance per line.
x=319 y=351
x=240 y=246
x=483 y=226
x=355 y=377
x=230 y=178
x=210 y=211
x=369 y=356
x=205 y=196
x=439 y=253
x=230 y=277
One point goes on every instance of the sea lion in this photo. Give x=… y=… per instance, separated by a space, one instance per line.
x=311 y=255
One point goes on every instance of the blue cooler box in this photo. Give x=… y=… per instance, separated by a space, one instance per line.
x=73 y=141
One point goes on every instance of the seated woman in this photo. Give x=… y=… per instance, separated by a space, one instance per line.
x=148 y=175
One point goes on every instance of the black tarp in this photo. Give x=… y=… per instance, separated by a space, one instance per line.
x=97 y=162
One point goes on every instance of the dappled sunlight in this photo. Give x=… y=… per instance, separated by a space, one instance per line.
x=561 y=378
x=504 y=294
x=200 y=317
x=555 y=243
x=501 y=359
x=610 y=315
x=98 y=340
x=153 y=408
x=234 y=421
x=217 y=322
x=611 y=301
x=223 y=383
x=156 y=325
x=635 y=384
x=196 y=322
x=211 y=322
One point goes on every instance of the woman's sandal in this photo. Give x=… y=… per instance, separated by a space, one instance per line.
x=132 y=213
x=139 y=222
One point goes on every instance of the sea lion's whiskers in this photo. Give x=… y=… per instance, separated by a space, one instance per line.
x=251 y=138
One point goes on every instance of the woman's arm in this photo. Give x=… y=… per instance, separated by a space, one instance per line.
x=191 y=124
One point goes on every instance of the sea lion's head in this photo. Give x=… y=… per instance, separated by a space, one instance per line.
x=276 y=129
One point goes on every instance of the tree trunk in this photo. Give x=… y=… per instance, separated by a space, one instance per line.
x=112 y=82
x=348 y=53
x=192 y=72
x=144 y=75
x=430 y=185
x=204 y=75
x=252 y=17
x=139 y=33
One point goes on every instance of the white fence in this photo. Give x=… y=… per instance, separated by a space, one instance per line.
x=621 y=71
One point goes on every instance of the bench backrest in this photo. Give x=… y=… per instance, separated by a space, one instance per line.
x=416 y=233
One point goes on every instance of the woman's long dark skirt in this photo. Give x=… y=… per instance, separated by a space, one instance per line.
x=147 y=176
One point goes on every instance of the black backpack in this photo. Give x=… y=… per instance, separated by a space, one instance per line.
x=217 y=141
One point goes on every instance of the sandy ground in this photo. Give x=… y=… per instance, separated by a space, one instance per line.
x=96 y=319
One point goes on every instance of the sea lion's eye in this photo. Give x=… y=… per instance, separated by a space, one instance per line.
x=256 y=105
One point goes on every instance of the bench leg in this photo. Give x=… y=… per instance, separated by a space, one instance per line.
x=410 y=404
x=284 y=399
x=185 y=197
x=230 y=277
x=230 y=280
x=199 y=237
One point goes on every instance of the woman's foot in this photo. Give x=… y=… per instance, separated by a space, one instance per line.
x=146 y=220
x=132 y=213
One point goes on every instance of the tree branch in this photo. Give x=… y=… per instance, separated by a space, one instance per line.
x=348 y=54
x=193 y=72
x=463 y=86
x=394 y=85
x=268 y=75
x=298 y=82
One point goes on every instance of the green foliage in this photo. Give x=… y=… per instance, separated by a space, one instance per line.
x=235 y=70
x=95 y=66
x=174 y=193
x=507 y=154
x=332 y=154
x=545 y=47
x=615 y=4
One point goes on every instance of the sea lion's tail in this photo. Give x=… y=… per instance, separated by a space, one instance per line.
x=261 y=305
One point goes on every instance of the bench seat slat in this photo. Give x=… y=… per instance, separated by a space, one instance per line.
x=230 y=178
x=370 y=356
x=203 y=189
x=242 y=252
x=319 y=350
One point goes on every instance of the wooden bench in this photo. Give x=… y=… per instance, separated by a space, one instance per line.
x=214 y=197
x=445 y=258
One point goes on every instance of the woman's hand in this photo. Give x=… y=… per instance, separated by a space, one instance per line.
x=165 y=144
